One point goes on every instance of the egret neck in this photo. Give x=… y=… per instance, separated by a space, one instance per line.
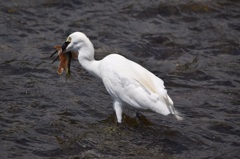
x=87 y=61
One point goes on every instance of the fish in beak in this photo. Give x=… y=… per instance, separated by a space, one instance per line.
x=65 y=59
x=60 y=50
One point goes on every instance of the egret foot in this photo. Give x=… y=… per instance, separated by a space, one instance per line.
x=143 y=120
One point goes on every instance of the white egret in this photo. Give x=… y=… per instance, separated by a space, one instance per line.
x=126 y=81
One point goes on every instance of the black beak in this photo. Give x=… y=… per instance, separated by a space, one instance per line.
x=64 y=46
x=53 y=53
x=55 y=59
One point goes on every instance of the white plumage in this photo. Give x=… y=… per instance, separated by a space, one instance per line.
x=125 y=80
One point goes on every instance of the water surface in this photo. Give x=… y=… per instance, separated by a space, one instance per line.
x=192 y=45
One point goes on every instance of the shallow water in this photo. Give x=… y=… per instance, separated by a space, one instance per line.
x=192 y=45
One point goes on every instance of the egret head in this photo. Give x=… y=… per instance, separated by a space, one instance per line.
x=74 y=42
x=69 y=50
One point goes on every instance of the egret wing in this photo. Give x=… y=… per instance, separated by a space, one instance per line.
x=133 y=84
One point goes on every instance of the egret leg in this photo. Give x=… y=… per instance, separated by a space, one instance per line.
x=138 y=116
x=118 y=110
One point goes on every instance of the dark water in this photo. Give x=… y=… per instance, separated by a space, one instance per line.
x=194 y=46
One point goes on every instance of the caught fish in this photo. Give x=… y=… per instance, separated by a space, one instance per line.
x=65 y=60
